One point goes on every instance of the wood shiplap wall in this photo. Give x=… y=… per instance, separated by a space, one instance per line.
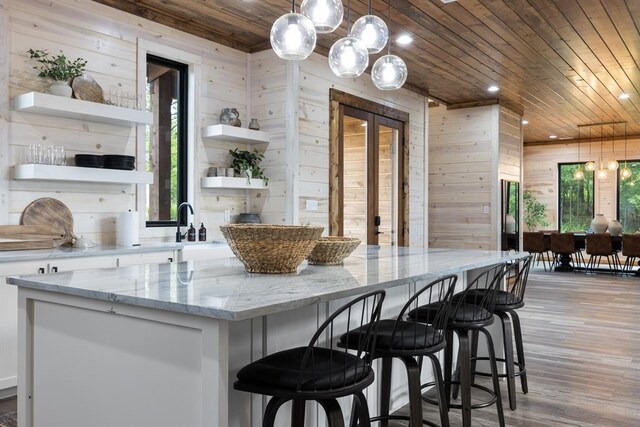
x=462 y=171
x=541 y=172
x=510 y=146
x=108 y=39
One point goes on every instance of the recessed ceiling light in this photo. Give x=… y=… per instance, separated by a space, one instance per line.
x=493 y=88
x=525 y=122
x=553 y=136
x=404 y=39
x=624 y=96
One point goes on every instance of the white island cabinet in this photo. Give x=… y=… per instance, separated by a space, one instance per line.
x=160 y=344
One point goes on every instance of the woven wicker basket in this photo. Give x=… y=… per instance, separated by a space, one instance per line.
x=332 y=250
x=269 y=248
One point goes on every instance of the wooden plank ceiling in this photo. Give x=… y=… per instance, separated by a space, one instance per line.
x=564 y=63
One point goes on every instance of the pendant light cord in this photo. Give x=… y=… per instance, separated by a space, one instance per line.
x=293 y=6
x=389 y=18
x=370 y=8
x=348 y=19
x=625 y=145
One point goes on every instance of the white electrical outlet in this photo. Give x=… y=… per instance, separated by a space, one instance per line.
x=312 y=205
x=485 y=209
x=227 y=215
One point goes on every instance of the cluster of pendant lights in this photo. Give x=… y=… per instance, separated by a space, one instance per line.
x=293 y=37
x=602 y=172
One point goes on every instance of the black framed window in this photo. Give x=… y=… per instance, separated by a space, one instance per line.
x=166 y=142
x=575 y=198
x=629 y=197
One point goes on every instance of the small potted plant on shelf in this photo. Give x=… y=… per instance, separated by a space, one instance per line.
x=59 y=69
x=246 y=163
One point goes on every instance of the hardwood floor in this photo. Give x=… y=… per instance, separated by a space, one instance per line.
x=582 y=344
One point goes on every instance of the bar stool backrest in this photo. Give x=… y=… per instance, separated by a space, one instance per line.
x=631 y=245
x=517 y=276
x=362 y=311
x=479 y=292
x=563 y=243
x=599 y=244
x=533 y=242
x=406 y=334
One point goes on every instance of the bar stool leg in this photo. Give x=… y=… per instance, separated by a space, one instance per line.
x=464 y=369
x=363 y=411
x=442 y=397
x=508 y=357
x=271 y=410
x=448 y=366
x=385 y=392
x=297 y=413
x=413 y=379
x=333 y=411
x=494 y=375
x=520 y=349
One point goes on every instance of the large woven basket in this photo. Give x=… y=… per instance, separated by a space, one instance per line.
x=269 y=248
x=332 y=250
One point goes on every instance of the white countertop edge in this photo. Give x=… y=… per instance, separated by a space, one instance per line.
x=36 y=282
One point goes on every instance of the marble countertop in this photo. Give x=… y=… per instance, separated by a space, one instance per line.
x=70 y=252
x=223 y=289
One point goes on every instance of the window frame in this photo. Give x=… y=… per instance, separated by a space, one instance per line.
x=593 y=183
x=182 y=135
x=621 y=162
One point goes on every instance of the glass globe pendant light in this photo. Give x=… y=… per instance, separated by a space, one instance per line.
x=326 y=15
x=372 y=31
x=348 y=57
x=625 y=172
x=293 y=36
x=578 y=174
x=389 y=72
x=590 y=166
x=613 y=164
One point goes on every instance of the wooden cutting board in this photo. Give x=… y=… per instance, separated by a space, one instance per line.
x=51 y=212
x=18 y=237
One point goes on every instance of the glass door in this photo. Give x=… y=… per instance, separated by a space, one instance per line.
x=371 y=173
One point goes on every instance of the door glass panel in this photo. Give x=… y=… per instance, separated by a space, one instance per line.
x=387 y=184
x=355 y=177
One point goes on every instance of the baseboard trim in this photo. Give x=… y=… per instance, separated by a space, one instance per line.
x=8 y=392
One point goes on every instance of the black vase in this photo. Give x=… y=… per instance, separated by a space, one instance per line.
x=248 y=218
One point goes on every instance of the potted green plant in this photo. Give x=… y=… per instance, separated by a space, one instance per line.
x=59 y=69
x=246 y=163
x=535 y=213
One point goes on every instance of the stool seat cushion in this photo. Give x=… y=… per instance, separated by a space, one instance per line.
x=464 y=313
x=503 y=300
x=408 y=336
x=326 y=369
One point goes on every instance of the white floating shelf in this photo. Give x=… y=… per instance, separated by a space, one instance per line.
x=229 y=182
x=78 y=174
x=234 y=134
x=70 y=108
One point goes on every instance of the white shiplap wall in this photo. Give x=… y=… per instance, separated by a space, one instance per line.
x=109 y=40
x=289 y=99
x=5 y=110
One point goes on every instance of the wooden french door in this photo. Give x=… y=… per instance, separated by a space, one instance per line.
x=371 y=173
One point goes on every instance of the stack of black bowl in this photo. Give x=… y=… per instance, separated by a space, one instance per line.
x=114 y=161
x=108 y=161
x=89 y=161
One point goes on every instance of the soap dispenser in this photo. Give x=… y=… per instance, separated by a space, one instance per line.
x=202 y=233
x=191 y=234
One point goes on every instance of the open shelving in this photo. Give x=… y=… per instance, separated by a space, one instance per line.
x=37 y=172
x=70 y=108
x=232 y=182
x=235 y=134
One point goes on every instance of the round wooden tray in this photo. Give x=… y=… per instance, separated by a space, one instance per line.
x=52 y=212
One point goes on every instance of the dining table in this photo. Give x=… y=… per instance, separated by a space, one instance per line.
x=580 y=239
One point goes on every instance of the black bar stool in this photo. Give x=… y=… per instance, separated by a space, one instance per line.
x=472 y=311
x=506 y=302
x=320 y=371
x=407 y=338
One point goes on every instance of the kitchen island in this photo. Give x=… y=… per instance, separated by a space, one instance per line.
x=159 y=344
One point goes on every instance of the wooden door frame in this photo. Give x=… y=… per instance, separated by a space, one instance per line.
x=336 y=99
